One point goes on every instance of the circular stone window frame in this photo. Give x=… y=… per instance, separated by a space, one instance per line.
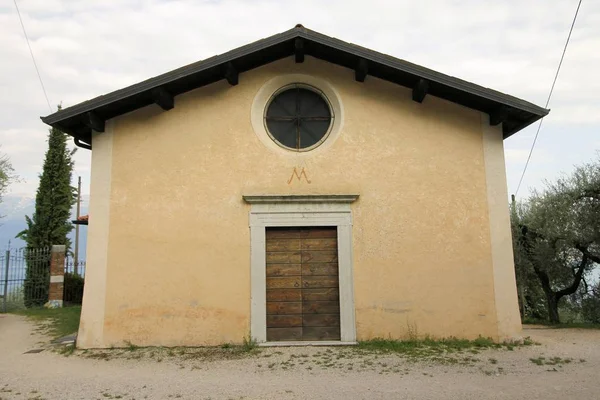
x=313 y=89
x=277 y=85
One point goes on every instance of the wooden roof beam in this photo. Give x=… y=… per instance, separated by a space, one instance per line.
x=361 y=71
x=162 y=98
x=93 y=121
x=299 y=50
x=498 y=116
x=231 y=74
x=420 y=90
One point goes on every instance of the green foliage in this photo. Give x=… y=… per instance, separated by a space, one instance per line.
x=531 y=297
x=7 y=175
x=35 y=286
x=556 y=234
x=50 y=223
x=590 y=306
x=14 y=299
x=73 y=288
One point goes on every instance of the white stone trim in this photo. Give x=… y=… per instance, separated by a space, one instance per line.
x=314 y=90
x=91 y=327
x=505 y=287
x=57 y=278
x=307 y=343
x=263 y=96
x=263 y=215
x=58 y=248
x=325 y=198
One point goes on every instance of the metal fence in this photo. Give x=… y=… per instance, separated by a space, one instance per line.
x=25 y=279
x=74 y=280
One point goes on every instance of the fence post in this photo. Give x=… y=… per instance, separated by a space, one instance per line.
x=57 y=276
x=5 y=295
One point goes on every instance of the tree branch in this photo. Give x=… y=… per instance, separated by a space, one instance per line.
x=576 y=281
x=584 y=250
x=544 y=279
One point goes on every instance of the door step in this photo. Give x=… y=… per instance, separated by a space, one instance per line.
x=307 y=343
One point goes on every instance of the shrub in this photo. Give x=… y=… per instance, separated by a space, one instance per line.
x=73 y=288
x=590 y=309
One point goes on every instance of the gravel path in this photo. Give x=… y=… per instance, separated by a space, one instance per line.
x=299 y=373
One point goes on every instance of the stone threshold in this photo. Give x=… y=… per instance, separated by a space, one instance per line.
x=307 y=343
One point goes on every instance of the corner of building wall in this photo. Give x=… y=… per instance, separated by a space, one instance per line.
x=91 y=327
x=505 y=287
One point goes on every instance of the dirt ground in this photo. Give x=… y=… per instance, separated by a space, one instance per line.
x=570 y=368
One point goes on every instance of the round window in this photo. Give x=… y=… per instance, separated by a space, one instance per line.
x=298 y=117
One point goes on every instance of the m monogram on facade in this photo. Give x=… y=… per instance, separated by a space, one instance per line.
x=298 y=176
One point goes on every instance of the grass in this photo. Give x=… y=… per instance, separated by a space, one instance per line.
x=386 y=356
x=131 y=351
x=551 y=361
x=15 y=300
x=56 y=322
x=446 y=351
x=442 y=345
x=564 y=325
x=569 y=320
x=578 y=325
x=67 y=350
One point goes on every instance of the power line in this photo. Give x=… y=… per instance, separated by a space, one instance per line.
x=549 y=96
x=32 y=57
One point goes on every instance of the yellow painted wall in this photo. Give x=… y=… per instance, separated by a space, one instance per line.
x=178 y=260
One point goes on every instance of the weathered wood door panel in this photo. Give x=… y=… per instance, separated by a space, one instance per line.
x=302 y=284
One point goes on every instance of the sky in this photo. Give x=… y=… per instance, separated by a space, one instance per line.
x=86 y=48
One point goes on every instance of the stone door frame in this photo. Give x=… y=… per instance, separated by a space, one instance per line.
x=300 y=211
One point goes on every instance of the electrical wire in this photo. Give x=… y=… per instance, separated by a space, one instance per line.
x=32 y=57
x=549 y=96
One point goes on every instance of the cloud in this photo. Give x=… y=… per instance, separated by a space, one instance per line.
x=88 y=48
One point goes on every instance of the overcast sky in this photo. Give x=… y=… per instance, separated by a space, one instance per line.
x=86 y=48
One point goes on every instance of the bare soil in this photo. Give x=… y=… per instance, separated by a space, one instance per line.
x=566 y=364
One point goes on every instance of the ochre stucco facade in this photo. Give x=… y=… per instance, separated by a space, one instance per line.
x=169 y=239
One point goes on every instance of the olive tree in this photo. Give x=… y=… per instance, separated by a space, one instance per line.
x=558 y=234
x=7 y=174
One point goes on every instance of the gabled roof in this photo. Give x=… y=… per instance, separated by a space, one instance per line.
x=78 y=120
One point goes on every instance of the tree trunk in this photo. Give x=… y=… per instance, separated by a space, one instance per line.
x=553 y=297
x=552 y=301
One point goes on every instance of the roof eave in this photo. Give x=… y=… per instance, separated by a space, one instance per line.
x=136 y=96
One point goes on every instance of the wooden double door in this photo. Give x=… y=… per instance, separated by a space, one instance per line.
x=302 y=284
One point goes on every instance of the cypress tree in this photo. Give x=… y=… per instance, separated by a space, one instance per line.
x=50 y=223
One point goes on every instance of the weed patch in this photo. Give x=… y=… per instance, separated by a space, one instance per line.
x=551 y=361
x=131 y=346
x=249 y=344
x=444 y=351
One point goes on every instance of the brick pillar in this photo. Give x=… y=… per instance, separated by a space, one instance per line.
x=57 y=277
